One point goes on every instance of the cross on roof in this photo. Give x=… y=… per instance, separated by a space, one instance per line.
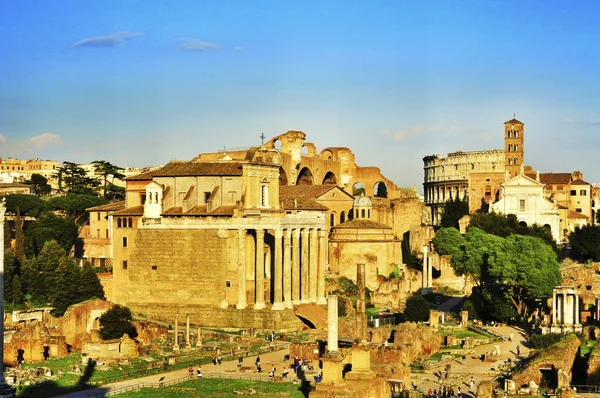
x=262 y=138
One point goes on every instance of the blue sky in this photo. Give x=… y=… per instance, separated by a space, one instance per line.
x=143 y=82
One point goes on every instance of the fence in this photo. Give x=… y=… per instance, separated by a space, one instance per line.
x=381 y=321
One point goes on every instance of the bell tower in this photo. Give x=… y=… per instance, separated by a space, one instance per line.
x=514 y=148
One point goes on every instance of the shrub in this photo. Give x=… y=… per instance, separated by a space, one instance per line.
x=416 y=309
x=541 y=341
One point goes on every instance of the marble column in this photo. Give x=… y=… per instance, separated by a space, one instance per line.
x=304 y=264
x=199 y=338
x=554 y=306
x=425 y=268
x=260 y=269
x=278 y=272
x=429 y=272
x=361 y=303
x=287 y=269
x=296 y=266
x=576 y=317
x=5 y=389
x=242 y=302
x=187 y=331
x=314 y=259
x=332 y=323
x=176 y=335
x=321 y=267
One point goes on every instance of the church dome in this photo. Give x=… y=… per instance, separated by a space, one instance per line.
x=362 y=201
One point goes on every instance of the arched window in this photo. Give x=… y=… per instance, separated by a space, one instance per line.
x=517 y=134
x=509 y=161
x=130 y=222
x=342 y=217
x=264 y=195
x=488 y=190
x=362 y=213
x=516 y=147
x=118 y=222
x=368 y=213
x=332 y=219
x=510 y=146
x=509 y=133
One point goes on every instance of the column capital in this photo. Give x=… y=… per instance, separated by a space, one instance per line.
x=260 y=231
x=278 y=233
x=296 y=232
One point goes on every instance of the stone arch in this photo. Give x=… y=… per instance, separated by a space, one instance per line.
x=283 y=179
x=327 y=154
x=277 y=144
x=522 y=223
x=380 y=189
x=305 y=177
x=304 y=150
x=329 y=178
x=359 y=189
x=548 y=228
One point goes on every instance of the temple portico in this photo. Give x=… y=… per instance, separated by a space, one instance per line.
x=565 y=310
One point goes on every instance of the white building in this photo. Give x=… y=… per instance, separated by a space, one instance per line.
x=524 y=197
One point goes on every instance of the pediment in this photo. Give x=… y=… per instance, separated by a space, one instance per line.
x=521 y=180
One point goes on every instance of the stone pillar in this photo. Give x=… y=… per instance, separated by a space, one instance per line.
x=260 y=269
x=296 y=266
x=287 y=269
x=314 y=259
x=554 y=306
x=199 y=338
x=361 y=303
x=321 y=267
x=187 y=331
x=242 y=302
x=304 y=264
x=429 y=272
x=568 y=319
x=576 y=317
x=176 y=335
x=425 y=279
x=278 y=272
x=5 y=389
x=332 y=323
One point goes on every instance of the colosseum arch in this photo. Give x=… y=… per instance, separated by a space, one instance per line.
x=283 y=179
x=329 y=178
x=380 y=189
x=326 y=154
x=359 y=189
x=305 y=177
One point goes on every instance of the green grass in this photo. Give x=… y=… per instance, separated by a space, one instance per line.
x=219 y=388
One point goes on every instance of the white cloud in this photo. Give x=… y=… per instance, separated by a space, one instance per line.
x=110 y=40
x=238 y=48
x=414 y=131
x=30 y=146
x=196 y=45
x=45 y=139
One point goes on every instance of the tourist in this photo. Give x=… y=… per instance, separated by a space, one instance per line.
x=459 y=393
x=518 y=350
x=191 y=372
x=199 y=372
x=472 y=383
x=219 y=360
x=257 y=362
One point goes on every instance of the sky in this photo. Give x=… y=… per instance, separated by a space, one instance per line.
x=140 y=83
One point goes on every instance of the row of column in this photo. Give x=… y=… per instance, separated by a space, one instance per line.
x=567 y=313
x=300 y=256
x=443 y=193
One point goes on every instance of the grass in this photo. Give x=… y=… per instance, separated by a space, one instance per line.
x=219 y=388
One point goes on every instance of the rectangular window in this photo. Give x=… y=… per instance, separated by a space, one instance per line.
x=143 y=198
x=559 y=188
x=98 y=216
x=228 y=283
x=578 y=210
x=583 y=192
x=107 y=234
x=97 y=233
x=154 y=267
x=124 y=264
x=573 y=192
x=522 y=204
x=206 y=197
x=124 y=241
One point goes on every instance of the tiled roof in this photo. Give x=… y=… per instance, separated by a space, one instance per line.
x=304 y=191
x=301 y=203
x=513 y=121
x=555 y=178
x=180 y=169
x=579 y=182
x=574 y=214
x=173 y=211
x=130 y=211
x=201 y=210
x=223 y=211
x=109 y=207
x=361 y=223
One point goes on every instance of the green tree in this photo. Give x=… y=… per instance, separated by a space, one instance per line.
x=65 y=290
x=73 y=179
x=39 y=184
x=75 y=205
x=12 y=284
x=454 y=210
x=382 y=191
x=89 y=285
x=50 y=227
x=586 y=242
x=108 y=170
x=116 y=322
x=471 y=257
x=48 y=261
x=32 y=281
x=417 y=309
x=506 y=225
x=447 y=241
x=28 y=205
x=19 y=237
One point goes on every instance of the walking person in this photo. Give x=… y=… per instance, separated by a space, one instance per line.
x=518 y=350
x=472 y=383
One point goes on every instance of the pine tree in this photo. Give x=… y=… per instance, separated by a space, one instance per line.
x=19 y=237
x=65 y=290
x=89 y=285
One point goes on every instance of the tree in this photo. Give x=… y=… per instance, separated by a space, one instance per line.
x=382 y=191
x=447 y=241
x=72 y=178
x=40 y=184
x=471 y=257
x=89 y=284
x=12 y=292
x=28 y=205
x=48 y=261
x=454 y=210
x=75 y=205
x=505 y=225
x=50 y=227
x=65 y=291
x=116 y=322
x=19 y=237
x=417 y=309
x=585 y=242
x=106 y=170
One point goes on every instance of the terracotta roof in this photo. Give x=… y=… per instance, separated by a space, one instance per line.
x=130 y=211
x=562 y=206
x=362 y=223
x=574 y=214
x=178 y=169
x=513 y=121
x=201 y=210
x=301 y=203
x=579 y=182
x=555 y=178
x=223 y=211
x=109 y=207
x=306 y=191
x=173 y=211
x=147 y=175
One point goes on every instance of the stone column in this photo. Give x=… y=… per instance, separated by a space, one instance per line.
x=321 y=267
x=425 y=279
x=242 y=302
x=314 y=259
x=296 y=266
x=199 y=338
x=187 y=331
x=576 y=317
x=260 y=269
x=429 y=272
x=176 y=345
x=304 y=263
x=361 y=303
x=5 y=389
x=554 y=306
x=332 y=323
x=287 y=269
x=278 y=272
